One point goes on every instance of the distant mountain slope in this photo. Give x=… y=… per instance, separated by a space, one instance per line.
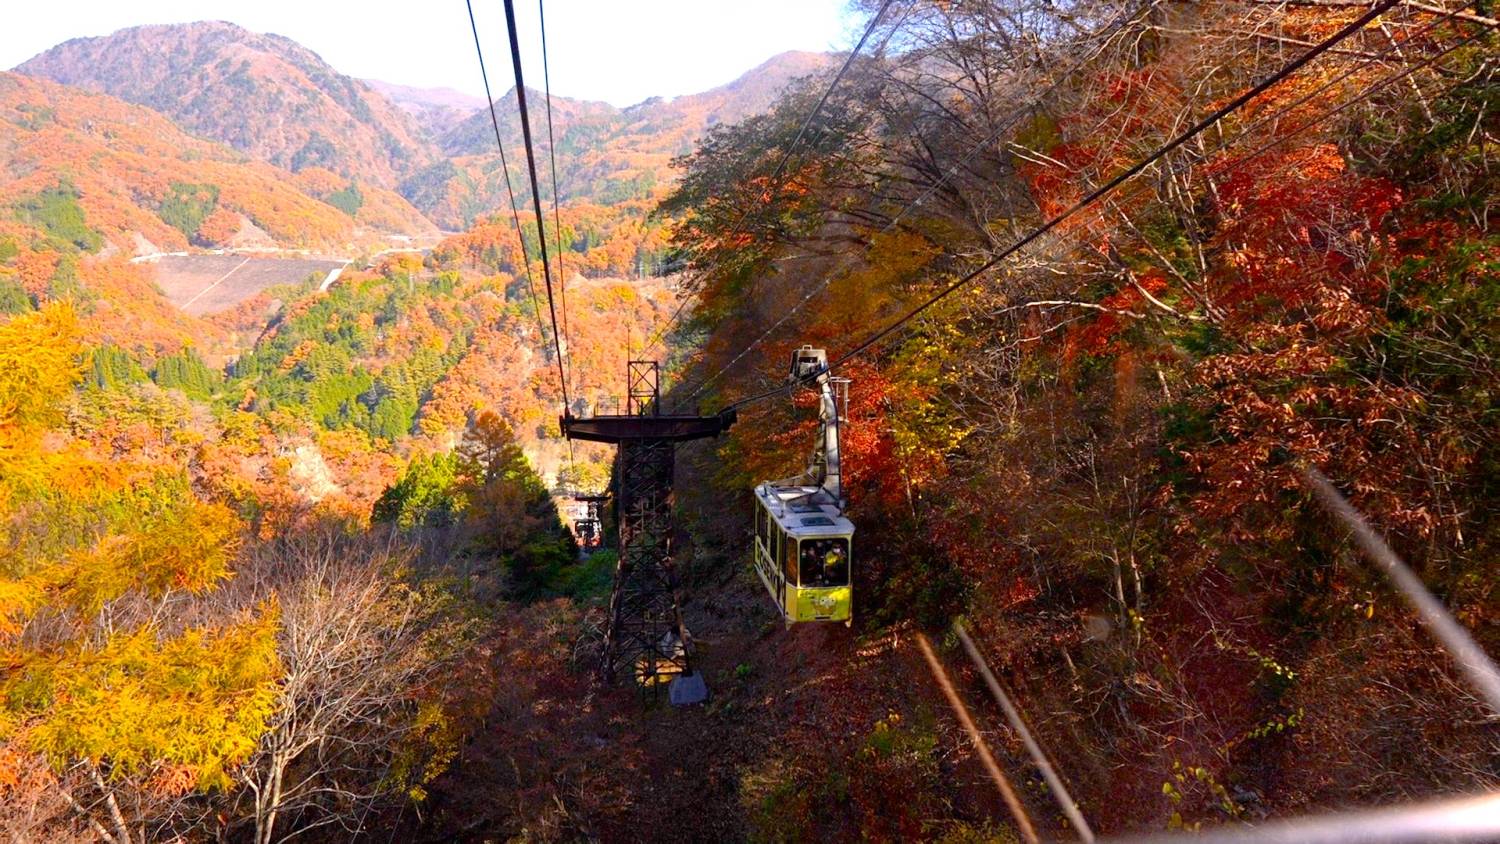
x=264 y=95
x=140 y=183
x=670 y=121
x=436 y=111
x=275 y=100
x=605 y=155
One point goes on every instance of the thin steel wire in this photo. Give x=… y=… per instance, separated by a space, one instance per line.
x=515 y=216
x=1242 y=133
x=562 y=275
x=1098 y=193
x=1010 y=121
x=786 y=154
x=536 y=195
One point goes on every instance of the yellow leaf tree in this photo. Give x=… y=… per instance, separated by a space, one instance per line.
x=120 y=671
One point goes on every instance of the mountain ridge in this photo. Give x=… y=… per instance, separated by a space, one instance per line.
x=605 y=154
x=731 y=102
x=275 y=100
x=263 y=94
x=436 y=110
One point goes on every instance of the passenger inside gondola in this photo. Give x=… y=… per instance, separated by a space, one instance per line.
x=825 y=562
x=809 y=567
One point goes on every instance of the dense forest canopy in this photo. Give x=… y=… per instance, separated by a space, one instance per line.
x=1108 y=425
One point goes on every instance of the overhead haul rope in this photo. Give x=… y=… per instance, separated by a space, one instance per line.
x=536 y=196
x=1094 y=196
x=536 y=307
x=562 y=276
x=786 y=156
x=1013 y=118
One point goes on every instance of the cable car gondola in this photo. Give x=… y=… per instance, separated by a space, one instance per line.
x=588 y=526
x=803 y=542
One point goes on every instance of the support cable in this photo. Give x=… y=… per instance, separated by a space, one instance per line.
x=786 y=154
x=1010 y=121
x=562 y=275
x=1098 y=193
x=515 y=216
x=536 y=197
x=807 y=121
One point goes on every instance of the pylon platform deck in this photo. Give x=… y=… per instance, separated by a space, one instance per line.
x=672 y=428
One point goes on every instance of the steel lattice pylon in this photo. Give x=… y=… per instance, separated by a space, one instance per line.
x=646 y=635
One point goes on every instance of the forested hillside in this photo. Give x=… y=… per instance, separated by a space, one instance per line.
x=208 y=572
x=1092 y=450
x=195 y=510
x=140 y=184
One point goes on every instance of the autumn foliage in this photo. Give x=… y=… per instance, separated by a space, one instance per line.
x=1094 y=450
x=297 y=566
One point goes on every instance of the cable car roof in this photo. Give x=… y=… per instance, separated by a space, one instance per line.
x=795 y=510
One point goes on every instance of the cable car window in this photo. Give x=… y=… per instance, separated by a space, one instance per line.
x=825 y=562
x=789 y=557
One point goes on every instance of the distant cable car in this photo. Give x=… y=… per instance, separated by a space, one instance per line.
x=803 y=542
x=586 y=531
x=588 y=527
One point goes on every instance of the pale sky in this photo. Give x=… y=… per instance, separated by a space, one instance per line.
x=620 y=52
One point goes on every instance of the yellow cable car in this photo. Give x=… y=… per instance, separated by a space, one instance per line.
x=803 y=542
x=802 y=555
